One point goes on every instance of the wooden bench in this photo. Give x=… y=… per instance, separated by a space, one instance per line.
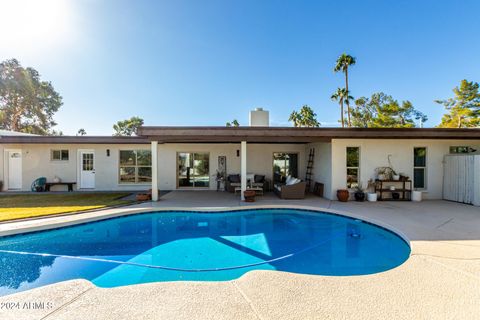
x=68 y=184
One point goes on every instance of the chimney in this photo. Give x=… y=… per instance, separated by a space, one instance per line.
x=259 y=118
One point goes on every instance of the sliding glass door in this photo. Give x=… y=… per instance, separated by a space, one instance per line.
x=193 y=169
x=284 y=164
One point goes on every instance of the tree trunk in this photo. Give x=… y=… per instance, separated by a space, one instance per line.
x=348 y=102
x=341 y=110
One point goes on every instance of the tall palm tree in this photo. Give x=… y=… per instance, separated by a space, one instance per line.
x=341 y=95
x=342 y=65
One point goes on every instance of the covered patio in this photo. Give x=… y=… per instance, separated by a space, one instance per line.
x=249 y=144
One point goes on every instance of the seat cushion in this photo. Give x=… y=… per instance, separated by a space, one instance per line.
x=259 y=178
x=293 y=181
x=234 y=178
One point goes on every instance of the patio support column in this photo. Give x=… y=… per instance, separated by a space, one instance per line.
x=243 y=168
x=154 y=170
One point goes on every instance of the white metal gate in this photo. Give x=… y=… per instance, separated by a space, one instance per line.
x=461 y=179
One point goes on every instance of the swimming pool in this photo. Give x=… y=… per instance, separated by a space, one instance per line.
x=198 y=246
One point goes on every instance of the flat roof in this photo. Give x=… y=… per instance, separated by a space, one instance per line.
x=298 y=135
x=72 y=140
x=252 y=134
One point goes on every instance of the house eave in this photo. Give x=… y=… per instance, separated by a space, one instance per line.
x=298 y=135
x=72 y=140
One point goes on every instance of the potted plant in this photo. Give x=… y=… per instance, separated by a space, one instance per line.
x=384 y=173
x=370 y=193
x=143 y=196
x=249 y=195
x=343 y=195
x=359 y=193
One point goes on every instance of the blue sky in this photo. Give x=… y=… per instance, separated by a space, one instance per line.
x=207 y=62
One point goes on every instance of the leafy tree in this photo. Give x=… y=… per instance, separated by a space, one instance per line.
x=55 y=133
x=341 y=95
x=27 y=104
x=234 y=123
x=81 y=132
x=295 y=118
x=127 y=127
x=382 y=111
x=342 y=65
x=463 y=108
x=304 y=118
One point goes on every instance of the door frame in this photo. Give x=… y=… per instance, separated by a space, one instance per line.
x=79 y=168
x=192 y=187
x=6 y=169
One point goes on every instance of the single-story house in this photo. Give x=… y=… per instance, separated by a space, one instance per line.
x=176 y=158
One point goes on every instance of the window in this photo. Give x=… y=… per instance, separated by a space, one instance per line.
x=353 y=166
x=419 y=168
x=135 y=166
x=59 y=155
x=284 y=164
x=461 y=149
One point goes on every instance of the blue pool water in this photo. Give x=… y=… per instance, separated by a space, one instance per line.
x=173 y=246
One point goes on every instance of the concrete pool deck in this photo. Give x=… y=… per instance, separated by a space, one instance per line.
x=441 y=279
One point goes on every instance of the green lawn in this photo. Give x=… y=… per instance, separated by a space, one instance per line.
x=35 y=205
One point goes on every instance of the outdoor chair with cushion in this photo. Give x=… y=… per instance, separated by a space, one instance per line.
x=293 y=188
x=259 y=181
x=233 y=181
x=39 y=184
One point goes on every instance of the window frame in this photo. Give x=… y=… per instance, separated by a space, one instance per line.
x=425 y=176
x=52 y=151
x=357 y=167
x=136 y=167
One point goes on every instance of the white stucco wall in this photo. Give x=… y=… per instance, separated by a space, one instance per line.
x=322 y=165
x=329 y=165
x=374 y=153
x=259 y=159
x=36 y=162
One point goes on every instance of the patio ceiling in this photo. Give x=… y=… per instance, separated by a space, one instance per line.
x=296 y=135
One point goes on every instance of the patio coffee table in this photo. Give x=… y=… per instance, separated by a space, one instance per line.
x=258 y=190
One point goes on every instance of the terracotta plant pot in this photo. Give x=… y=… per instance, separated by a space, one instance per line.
x=249 y=196
x=143 y=197
x=343 y=195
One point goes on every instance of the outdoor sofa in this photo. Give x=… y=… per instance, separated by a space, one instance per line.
x=293 y=188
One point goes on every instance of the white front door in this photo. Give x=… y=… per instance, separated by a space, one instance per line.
x=14 y=170
x=87 y=170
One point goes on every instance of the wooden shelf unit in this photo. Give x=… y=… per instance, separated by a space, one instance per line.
x=405 y=191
